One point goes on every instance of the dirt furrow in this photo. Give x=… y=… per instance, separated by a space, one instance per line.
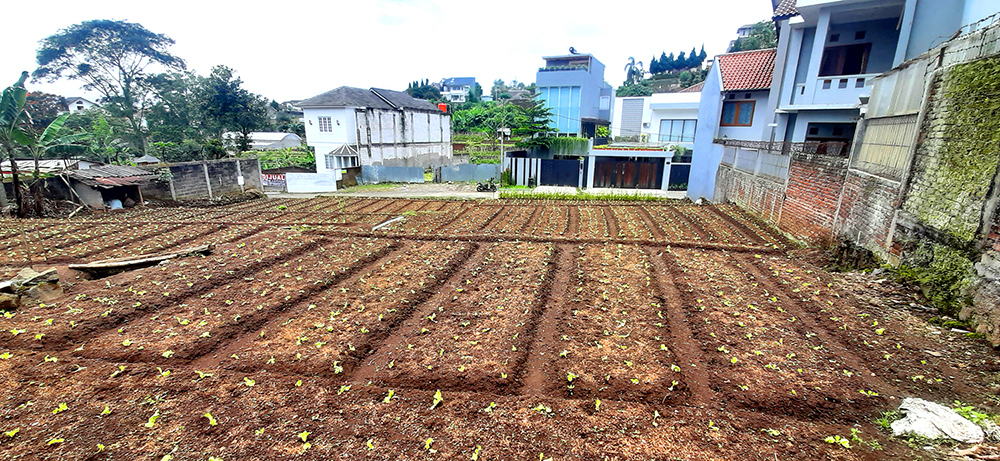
x=676 y=303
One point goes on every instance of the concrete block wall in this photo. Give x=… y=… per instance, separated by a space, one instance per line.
x=189 y=182
x=934 y=195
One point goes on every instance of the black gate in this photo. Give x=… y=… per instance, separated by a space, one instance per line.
x=560 y=173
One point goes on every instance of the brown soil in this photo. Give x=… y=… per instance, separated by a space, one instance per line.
x=607 y=331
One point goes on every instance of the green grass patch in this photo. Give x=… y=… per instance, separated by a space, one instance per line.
x=371 y=187
x=621 y=197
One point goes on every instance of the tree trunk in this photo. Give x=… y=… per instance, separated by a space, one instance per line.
x=3 y=192
x=19 y=203
x=36 y=189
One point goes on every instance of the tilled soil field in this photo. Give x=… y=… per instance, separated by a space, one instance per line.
x=497 y=330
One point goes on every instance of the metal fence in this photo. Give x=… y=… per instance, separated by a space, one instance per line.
x=885 y=145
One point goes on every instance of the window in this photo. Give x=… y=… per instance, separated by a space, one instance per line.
x=325 y=124
x=677 y=130
x=859 y=83
x=336 y=162
x=859 y=35
x=605 y=102
x=738 y=113
x=845 y=60
x=835 y=37
x=842 y=83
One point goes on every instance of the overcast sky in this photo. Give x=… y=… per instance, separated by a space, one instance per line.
x=298 y=49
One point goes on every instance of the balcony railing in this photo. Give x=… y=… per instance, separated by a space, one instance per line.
x=560 y=68
x=842 y=89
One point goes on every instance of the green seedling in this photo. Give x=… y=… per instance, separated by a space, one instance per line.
x=12 y=432
x=211 y=419
x=427 y=445
x=437 y=399
x=6 y=355
x=597 y=405
x=475 y=454
x=370 y=444
x=304 y=435
x=838 y=440
x=152 y=420
x=106 y=410
x=343 y=389
x=55 y=441
x=249 y=382
x=61 y=408
x=388 y=398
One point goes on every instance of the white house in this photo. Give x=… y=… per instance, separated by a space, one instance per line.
x=456 y=89
x=354 y=126
x=662 y=118
x=76 y=104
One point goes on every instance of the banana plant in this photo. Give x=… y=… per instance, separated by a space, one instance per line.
x=13 y=120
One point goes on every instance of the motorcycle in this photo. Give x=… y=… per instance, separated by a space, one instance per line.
x=487 y=186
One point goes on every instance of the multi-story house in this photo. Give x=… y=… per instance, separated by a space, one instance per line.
x=827 y=55
x=456 y=89
x=351 y=127
x=574 y=89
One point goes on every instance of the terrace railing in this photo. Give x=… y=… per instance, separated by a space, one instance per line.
x=771 y=160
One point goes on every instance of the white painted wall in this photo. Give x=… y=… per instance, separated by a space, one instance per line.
x=407 y=138
x=757 y=129
x=659 y=106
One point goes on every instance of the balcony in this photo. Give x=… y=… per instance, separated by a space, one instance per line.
x=564 y=68
x=835 y=91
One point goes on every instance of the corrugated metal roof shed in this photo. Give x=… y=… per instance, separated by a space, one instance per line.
x=109 y=176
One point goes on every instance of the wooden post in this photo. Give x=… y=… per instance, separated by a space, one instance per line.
x=208 y=182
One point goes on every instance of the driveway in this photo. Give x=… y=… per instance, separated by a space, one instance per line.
x=425 y=190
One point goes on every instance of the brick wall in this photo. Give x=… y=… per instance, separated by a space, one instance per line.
x=755 y=194
x=866 y=211
x=814 y=185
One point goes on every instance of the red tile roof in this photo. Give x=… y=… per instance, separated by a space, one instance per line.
x=696 y=88
x=747 y=70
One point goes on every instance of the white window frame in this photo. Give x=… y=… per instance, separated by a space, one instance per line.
x=325 y=122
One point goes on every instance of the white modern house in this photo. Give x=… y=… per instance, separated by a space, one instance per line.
x=77 y=104
x=456 y=89
x=375 y=127
x=660 y=118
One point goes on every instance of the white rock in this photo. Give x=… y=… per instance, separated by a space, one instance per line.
x=931 y=420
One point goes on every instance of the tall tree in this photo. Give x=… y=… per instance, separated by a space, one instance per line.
x=111 y=58
x=229 y=106
x=762 y=35
x=44 y=108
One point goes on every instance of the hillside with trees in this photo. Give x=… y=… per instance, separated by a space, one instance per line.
x=667 y=74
